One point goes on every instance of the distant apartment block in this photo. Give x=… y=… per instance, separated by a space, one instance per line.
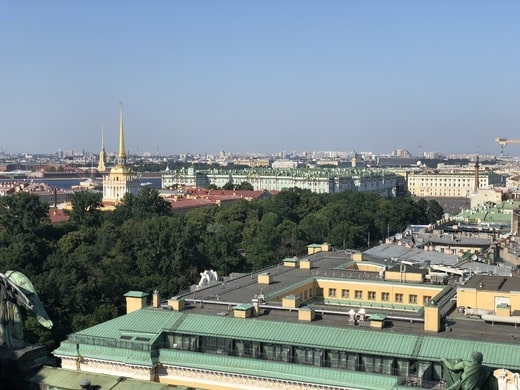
x=284 y=164
x=325 y=180
x=401 y=153
x=253 y=163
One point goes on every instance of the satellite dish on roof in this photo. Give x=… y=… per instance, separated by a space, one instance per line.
x=474 y=257
x=398 y=236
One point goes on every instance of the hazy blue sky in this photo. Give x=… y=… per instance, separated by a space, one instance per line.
x=260 y=75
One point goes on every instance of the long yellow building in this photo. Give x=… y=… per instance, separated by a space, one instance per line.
x=449 y=185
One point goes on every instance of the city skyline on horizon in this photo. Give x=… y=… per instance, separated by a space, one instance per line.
x=201 y=77
x=280 y=155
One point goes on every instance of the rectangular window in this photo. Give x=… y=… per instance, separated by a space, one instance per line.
x=335 y=359
x=359 y=294
x=276 y=352
x=426 y=299
x=190 y=343
x=345 y=293
x=244 y=348
x=385 y=297
x=371 y=295
x=216 y=345
x=306 y=356
x=412 y=298
x=332 y=292
x=398 y=297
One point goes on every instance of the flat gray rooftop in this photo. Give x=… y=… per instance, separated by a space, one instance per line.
x=494 y=283
x=222 y=296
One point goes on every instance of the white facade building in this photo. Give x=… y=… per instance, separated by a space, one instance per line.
x=326 y=180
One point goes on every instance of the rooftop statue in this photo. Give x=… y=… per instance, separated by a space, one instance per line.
x=16 y=291
x=469 y=375
x=507 y=380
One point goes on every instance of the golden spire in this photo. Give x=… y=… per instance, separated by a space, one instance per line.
x=102 y=154
x=103 y=136
x=121 y=155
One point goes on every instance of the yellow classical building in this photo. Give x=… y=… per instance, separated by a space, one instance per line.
x=121 y=178
x=459 y=184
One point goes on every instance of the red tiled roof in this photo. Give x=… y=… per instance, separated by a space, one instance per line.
x=57 y=215
x=198 y=197
x=183 y=204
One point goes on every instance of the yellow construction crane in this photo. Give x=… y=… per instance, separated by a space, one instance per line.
x=503 y=142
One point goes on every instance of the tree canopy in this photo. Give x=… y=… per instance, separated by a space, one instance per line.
x=83 y=267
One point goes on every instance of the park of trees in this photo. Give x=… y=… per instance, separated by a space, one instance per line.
x=82 y=268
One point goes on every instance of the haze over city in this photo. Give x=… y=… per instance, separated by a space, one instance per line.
x=260 y=76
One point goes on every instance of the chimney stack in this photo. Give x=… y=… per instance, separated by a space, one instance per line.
x=156 y=300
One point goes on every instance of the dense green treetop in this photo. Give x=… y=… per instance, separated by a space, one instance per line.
x=22 y=213
x=82 y=268
x=86 y=208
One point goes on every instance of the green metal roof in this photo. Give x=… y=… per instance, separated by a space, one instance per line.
x=495 y=354
x=157 y=321
x=146 y=358
x=279 y=370
x=501 y=213
x=243 y=307
x=298 y=334
x=144 y=321
x=136 y=294
x=104 y=340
